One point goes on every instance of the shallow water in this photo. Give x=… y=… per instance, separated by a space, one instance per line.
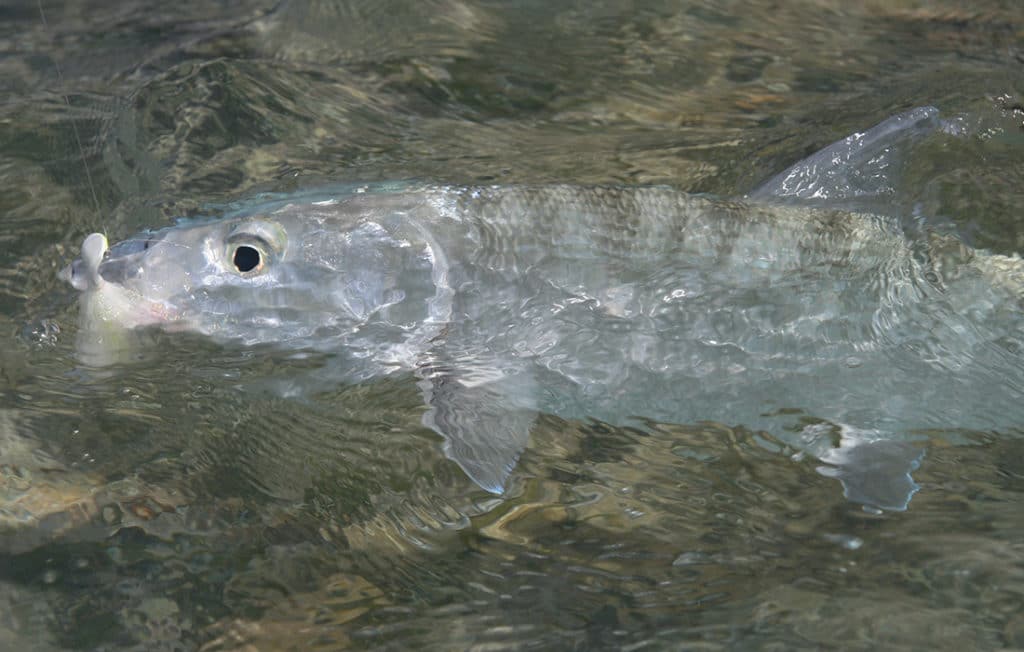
x=154 y=506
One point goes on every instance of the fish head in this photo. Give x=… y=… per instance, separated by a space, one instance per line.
x=170 y=277
x=302 y=277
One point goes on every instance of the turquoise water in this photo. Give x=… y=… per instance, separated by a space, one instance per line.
x=154 y=506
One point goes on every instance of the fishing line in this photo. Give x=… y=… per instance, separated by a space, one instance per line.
x=74 y=125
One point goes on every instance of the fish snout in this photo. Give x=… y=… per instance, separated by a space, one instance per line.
x=83 y=273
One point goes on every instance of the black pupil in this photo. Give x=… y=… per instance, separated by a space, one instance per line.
x=246 y=258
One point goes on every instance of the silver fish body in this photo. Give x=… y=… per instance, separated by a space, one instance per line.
x=820 y=326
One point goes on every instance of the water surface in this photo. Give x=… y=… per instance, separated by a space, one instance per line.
x=154 y=506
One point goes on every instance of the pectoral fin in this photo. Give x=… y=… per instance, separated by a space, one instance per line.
x=485 y=415
x=875 y=473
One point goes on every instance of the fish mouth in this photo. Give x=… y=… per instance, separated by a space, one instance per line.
x=84 y=272
x=105 y=300
x=98 y=261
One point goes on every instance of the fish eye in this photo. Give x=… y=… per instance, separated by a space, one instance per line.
x=252 y=245
x=247 y=258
